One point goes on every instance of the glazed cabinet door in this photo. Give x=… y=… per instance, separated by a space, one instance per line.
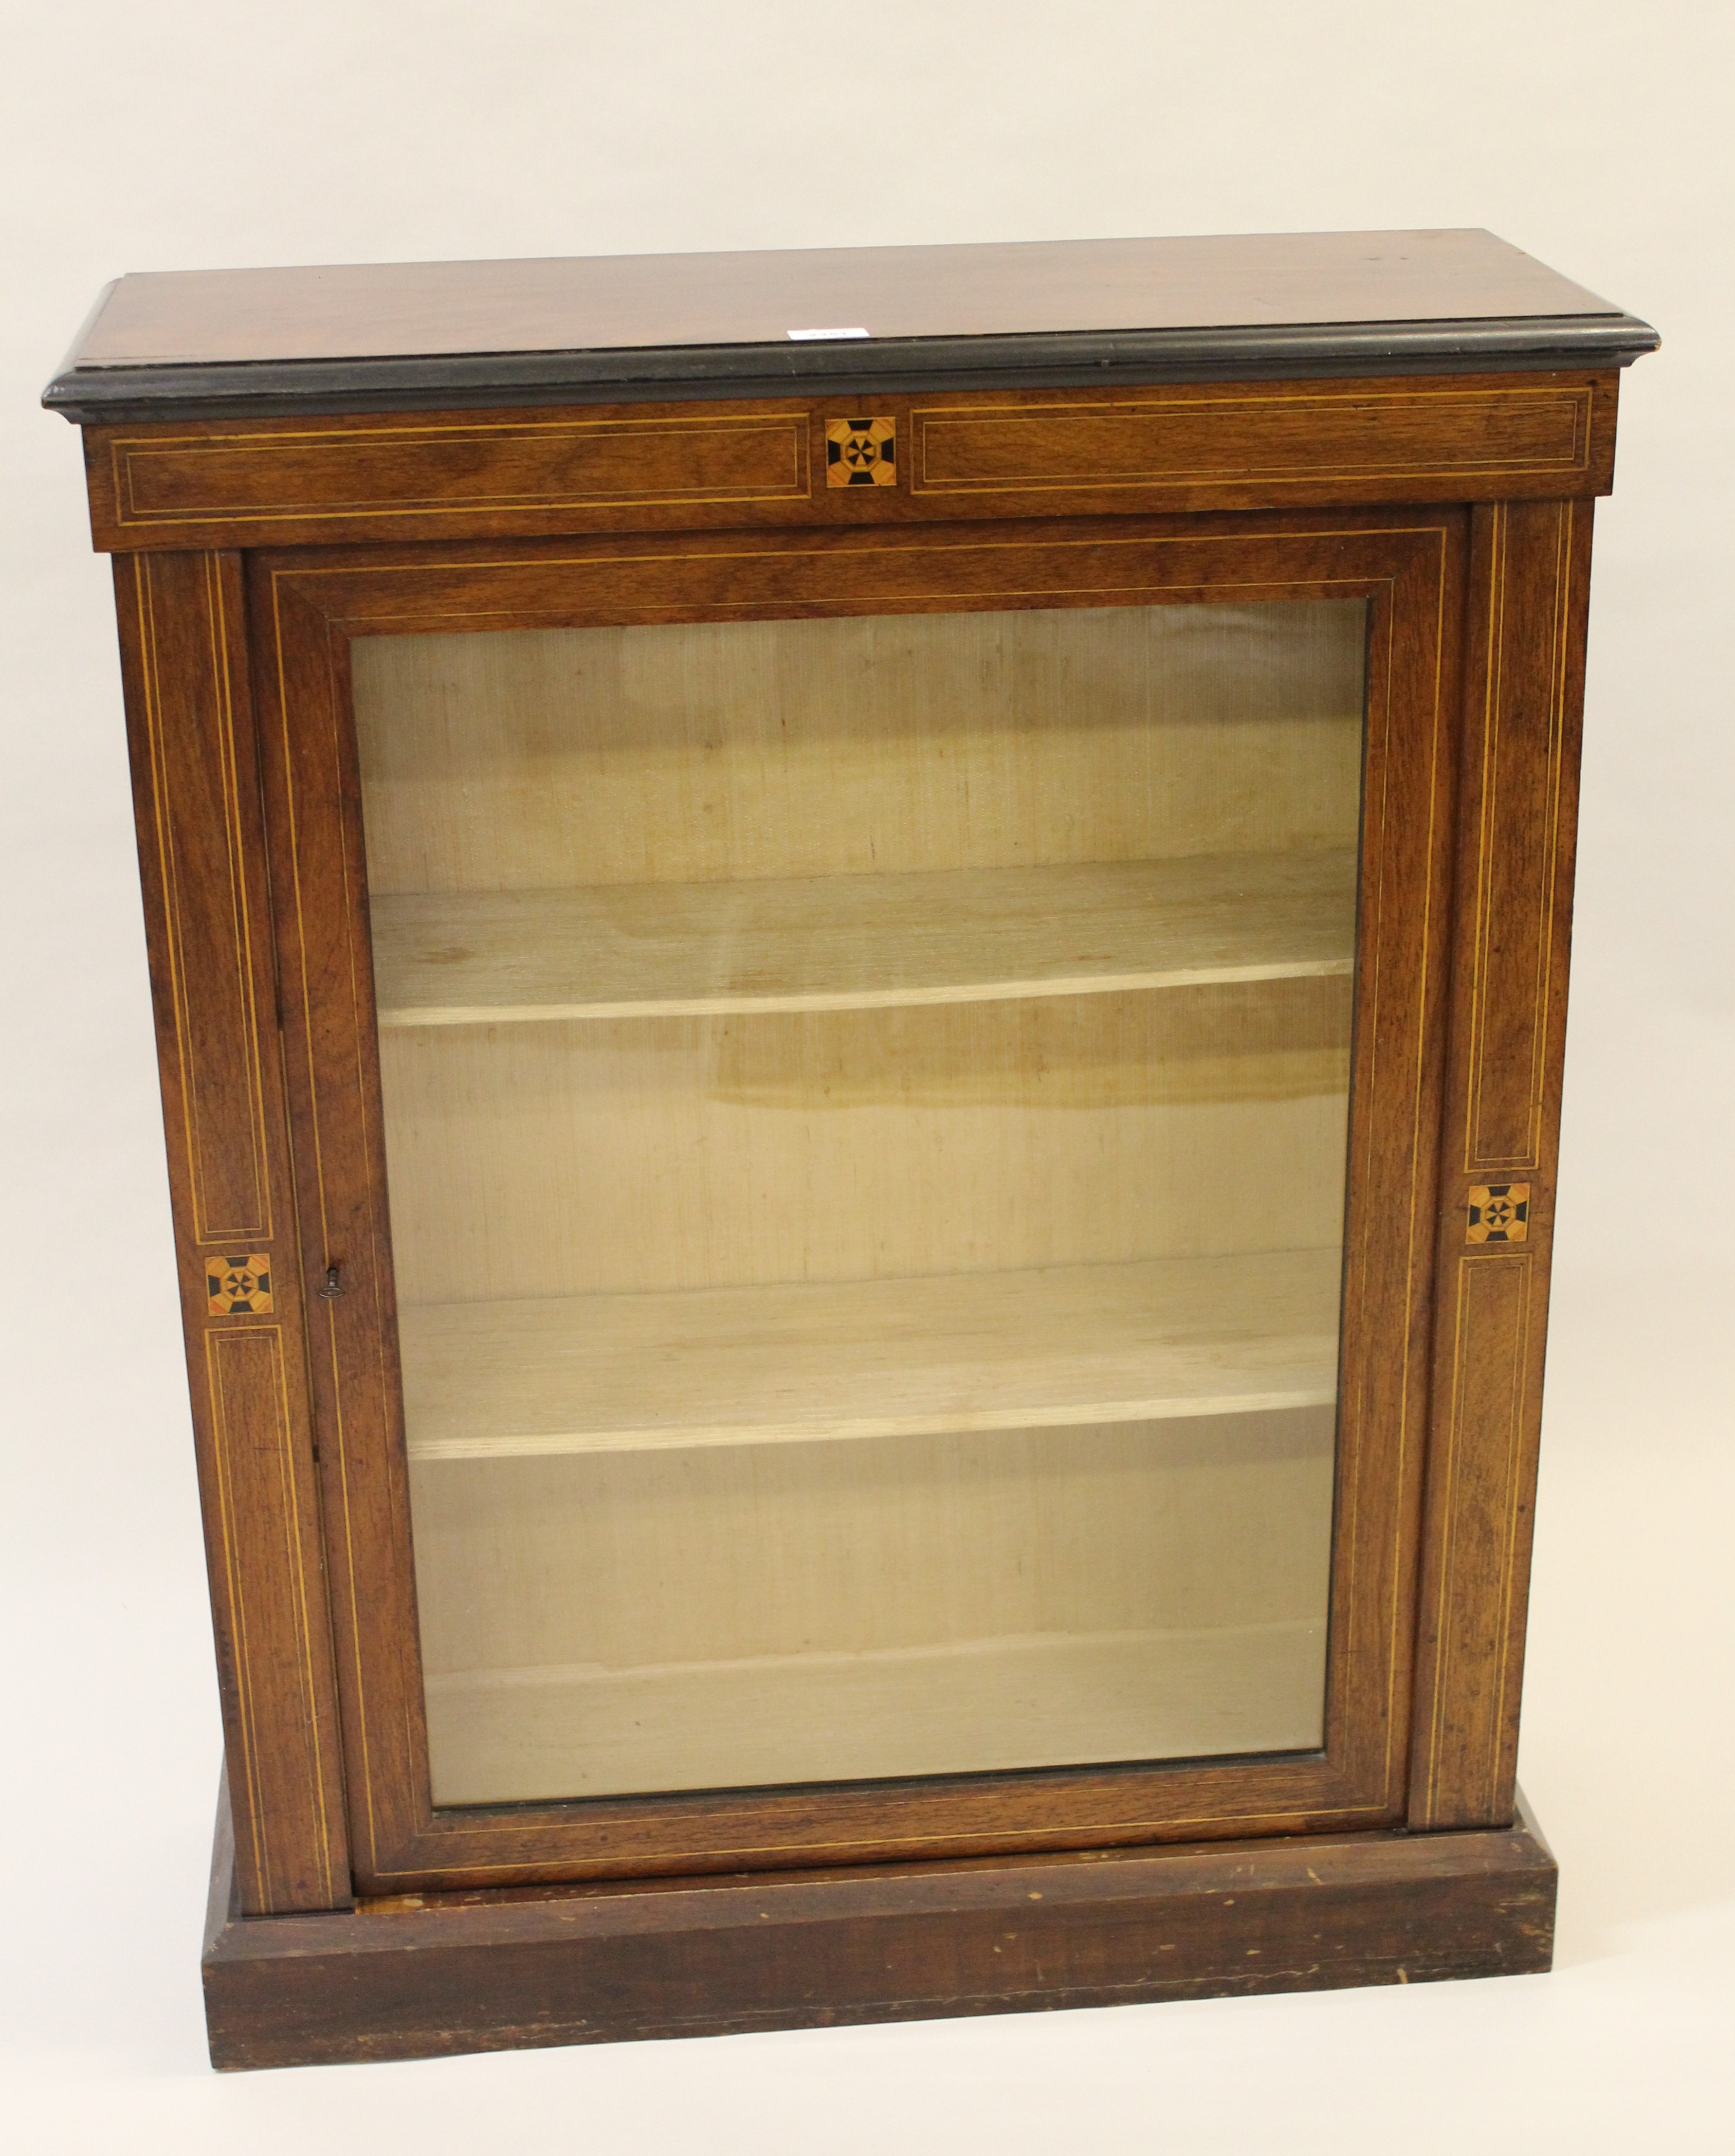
x=865 y=1111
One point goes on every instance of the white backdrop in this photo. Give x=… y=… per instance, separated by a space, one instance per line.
x=188 y=134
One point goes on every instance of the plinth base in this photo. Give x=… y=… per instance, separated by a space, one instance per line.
x=420 y=1976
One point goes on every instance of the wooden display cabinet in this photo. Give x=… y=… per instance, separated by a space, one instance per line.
x=860 y=1033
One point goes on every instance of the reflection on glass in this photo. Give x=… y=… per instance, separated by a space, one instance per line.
x=865 y=1108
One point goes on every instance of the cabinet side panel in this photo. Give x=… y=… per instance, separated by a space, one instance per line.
x=1525 y=676
x=202 y=864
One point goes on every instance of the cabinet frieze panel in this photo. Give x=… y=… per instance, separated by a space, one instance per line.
x=1280 y=437
x=433 y=471
x=1218 y=445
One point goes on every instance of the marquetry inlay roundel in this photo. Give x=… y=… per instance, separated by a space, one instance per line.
x=238 y=1287
x=1499 y=1212
x=861 y=452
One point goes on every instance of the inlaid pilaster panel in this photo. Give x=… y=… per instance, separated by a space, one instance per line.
x=202 y=867
x=1524 y=675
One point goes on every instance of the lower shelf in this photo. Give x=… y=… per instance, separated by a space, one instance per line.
x=425 y=1977
x=1048 y=1701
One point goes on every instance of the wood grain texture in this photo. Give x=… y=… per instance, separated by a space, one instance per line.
x=1406 y=566
x=866 y=322
x=1439 y=440
x=415 y=1977
x=201 y=852
x=185 y=617
x=559 y=305
x=1529 y=592
x=1528 y=655
x=459 y=473
x=318 y=880
x=378 y=478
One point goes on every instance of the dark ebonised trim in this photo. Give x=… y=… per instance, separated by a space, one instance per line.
x=95 y=395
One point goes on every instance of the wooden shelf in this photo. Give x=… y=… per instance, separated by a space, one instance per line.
x=1042 y=1700
x=1067 y=1344
x=855 y=942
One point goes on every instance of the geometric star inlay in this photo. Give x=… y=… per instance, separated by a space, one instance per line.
x=1499 y=1212
x=861 y=452
x=238 y=1287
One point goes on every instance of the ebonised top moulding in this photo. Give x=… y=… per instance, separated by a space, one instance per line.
x=361 y=337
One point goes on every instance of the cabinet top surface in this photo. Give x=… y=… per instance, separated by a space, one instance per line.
x=389 y=309
x=713 y=324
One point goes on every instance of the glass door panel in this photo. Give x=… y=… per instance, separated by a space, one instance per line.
x=865 y=1106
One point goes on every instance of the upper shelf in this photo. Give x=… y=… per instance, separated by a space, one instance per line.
x=766 y=324
x=1061 y=1345
x=860 y=941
